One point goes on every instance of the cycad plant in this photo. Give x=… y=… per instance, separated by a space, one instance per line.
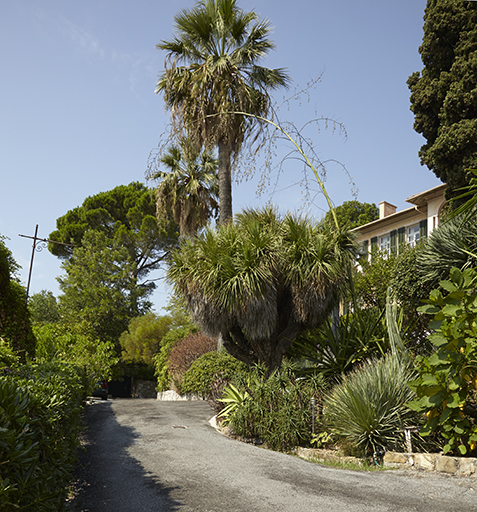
x=368 y=406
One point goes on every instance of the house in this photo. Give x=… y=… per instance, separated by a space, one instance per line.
x=394 y=229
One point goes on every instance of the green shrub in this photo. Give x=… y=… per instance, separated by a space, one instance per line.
x=40 y=419
x=447 y=381
x=161 y=359
x=277 y=409
x=368 y=406
x=207 y=369
x=78 y=345
x=7 y=356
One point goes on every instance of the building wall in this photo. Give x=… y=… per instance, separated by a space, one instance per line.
x=405 y=227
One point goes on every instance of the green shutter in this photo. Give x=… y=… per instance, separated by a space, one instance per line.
x=422 y=229
x=401 y=238
x=364 y=249
x=393 y=242
x=374 y=245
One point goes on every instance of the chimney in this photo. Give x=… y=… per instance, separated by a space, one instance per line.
x=386 y=209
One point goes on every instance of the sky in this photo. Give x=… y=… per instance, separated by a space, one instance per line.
x=79 y=114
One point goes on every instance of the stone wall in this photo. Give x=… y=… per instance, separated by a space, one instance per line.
x=459 y=466
x=143 y=389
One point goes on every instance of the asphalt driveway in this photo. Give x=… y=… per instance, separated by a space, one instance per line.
x=151 y=456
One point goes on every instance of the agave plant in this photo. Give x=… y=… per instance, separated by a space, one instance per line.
x=368 y=406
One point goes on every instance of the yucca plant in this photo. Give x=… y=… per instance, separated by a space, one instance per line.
x=262 y=280
x=368 y=407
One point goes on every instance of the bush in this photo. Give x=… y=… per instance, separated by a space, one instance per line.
x=368 y=406
x=40 y=419
x=277 y=409
x=185 y=352
x=7 y=356
x=78 y=345
x=204 y=372
x=447 y=380
x=142 y=341
x=161 y=359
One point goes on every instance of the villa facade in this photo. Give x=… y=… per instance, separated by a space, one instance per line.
x=394 y=229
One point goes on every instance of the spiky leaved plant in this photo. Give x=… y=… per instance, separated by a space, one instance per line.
x=368 y=406
x=261 y=280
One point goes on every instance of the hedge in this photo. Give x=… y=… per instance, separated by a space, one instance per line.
x=40 y=420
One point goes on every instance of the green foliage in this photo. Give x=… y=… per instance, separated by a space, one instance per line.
x=161 y=358
x=204 y=371
x=410 y=290
x=207 y=97
x=98 y=288
x=78 y=345
x=262 y=280
x=126 y=216
x=352 y=214
x=40 y=420
x=371 y=283
x=443 y=95
x=7 y=356
x=447 y=381
x=188 y=190
x=142 y=341
x=403 y=273
x=368 y=406
x=337 y=346
x=275 y=409
x=15 y=326
x=452 y=244
x=43 y=307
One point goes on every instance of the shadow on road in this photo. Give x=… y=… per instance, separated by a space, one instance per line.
x=107 y=478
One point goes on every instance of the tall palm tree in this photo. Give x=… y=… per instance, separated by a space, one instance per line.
x=188 y=189
x=219 y=46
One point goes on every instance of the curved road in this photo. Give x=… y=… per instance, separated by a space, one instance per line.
x=151 y=456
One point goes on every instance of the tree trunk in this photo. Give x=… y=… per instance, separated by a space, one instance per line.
x=225 y=183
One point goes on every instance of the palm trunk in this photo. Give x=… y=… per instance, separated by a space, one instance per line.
x=225 y=183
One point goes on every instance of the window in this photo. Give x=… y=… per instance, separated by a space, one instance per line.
x=385 y=244
x=413 y=235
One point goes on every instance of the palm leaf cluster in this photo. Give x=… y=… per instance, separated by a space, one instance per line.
x=188 y=187
x=219 y=45
x=261 y=280
x=211 y=74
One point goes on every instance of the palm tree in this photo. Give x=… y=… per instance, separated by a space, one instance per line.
x=188 y=190
x=261 y=281
x=219 y=46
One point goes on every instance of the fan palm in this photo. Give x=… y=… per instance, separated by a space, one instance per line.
x=219 y=46
x=261 y=280
x=188 y=189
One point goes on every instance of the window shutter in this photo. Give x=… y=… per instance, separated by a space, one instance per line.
x=364 y=249
x=423 y=229
x=374 y=245
x=401 y=237
x=393 y=241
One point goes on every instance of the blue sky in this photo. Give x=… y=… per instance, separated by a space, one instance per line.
x=79 y=114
